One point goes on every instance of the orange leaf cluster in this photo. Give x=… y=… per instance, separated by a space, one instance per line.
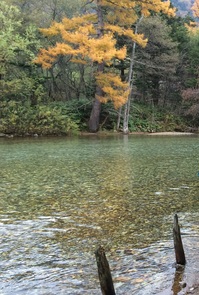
x=195 y=8
x=193 y=27
x=114 y=89
x=81 y=44
x=156 y=6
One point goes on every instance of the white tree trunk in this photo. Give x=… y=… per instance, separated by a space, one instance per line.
x=130 y=82
x=119 y=119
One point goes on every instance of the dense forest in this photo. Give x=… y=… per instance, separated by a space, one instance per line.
x=73 y=65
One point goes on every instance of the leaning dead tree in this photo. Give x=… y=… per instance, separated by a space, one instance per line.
x=104 y=272
x=178 y=246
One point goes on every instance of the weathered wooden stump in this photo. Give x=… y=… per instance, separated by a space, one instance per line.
x=178 y=246
x=104 y=272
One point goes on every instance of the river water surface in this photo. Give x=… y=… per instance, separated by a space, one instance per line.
x=60 y=198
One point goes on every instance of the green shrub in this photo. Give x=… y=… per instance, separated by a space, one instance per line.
x=144 y=118
x=20 y=119
x=80 y=110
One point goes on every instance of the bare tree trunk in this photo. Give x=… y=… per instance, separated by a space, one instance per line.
x=104 y=272
x=95 y=116
x=123 y=79
x=130 y=82
x=179 y=251
x=96 y=109
x=119 y=118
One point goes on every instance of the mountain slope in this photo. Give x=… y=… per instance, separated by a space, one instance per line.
x=183 y=6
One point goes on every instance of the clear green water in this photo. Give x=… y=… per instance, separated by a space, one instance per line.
x=60 y=198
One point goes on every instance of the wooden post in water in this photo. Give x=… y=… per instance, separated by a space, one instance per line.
x=178 y=246
x=104 y=272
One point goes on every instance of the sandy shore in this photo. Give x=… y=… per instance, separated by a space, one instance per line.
x=171 y=133
x=104 y=133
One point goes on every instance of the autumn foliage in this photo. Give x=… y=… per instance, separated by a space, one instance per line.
x=195 y=8
x=91 y=39
x=193 y=27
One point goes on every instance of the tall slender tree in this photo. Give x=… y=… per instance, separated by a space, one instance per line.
x=157 y=63
x=130 y=82
x=91 y=38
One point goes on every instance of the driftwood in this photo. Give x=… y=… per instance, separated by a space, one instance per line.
x=178 y=246
x=104 y=273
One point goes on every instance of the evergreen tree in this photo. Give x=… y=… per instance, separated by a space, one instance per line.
x=18 y=46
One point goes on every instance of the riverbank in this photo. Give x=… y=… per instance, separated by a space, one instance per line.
x=101 y=134
x=172 y=133
x=166 y=133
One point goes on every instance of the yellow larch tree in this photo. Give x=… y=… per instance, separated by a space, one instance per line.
x=91 y=38
x=193 y=26
x=195 y=8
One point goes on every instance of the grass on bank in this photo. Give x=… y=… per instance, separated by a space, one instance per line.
x=71 y=117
